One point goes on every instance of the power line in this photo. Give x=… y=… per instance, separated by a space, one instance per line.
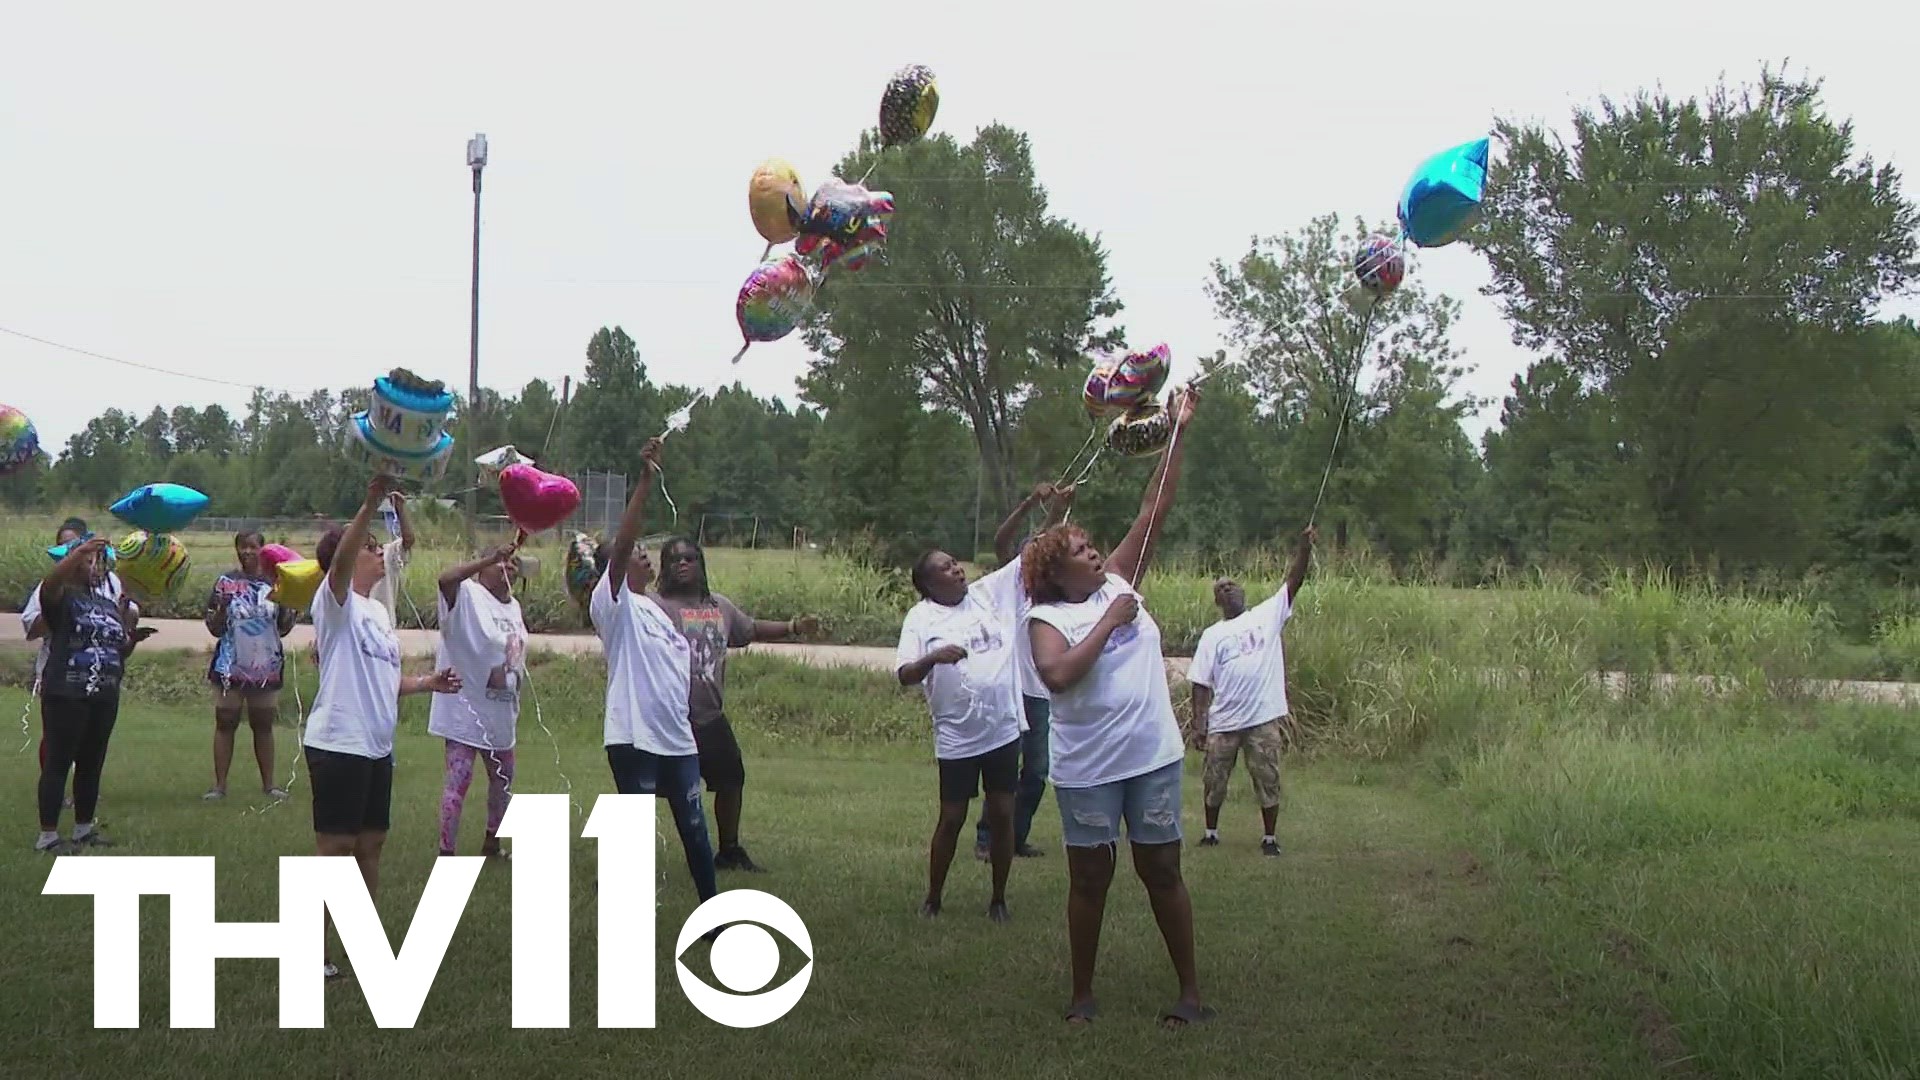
x=134 y=364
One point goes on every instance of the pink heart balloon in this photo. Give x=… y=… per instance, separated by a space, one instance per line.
x=273 y=555
x=536 y=501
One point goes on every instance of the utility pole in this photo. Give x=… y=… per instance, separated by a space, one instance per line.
x=477 y=161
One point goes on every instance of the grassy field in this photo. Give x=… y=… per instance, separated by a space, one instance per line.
x=1563 y=886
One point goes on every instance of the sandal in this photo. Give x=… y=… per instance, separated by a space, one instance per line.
x=1083 y=1014
x=1187 y=1015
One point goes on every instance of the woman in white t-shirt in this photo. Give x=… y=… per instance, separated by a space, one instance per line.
x=350 y=730
x=957 y=645
x=648 y=735
x=484 y=638
x=1116 y=746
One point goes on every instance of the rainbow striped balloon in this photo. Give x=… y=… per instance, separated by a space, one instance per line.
x=19 y=442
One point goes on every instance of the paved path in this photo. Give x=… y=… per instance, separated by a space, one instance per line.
x=186 y=635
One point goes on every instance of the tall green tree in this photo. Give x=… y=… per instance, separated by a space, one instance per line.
x=980 y=288
x=1332 y=363
x=1708 y=265
x=617 y=408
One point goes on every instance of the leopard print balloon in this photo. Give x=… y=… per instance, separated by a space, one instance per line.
x=908 y=106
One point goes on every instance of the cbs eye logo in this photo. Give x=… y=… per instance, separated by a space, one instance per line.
x=744 y=957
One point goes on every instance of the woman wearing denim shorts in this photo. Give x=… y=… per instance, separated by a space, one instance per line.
x=1116 y=746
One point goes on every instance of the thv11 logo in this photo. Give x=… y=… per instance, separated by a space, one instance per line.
x=744 y=955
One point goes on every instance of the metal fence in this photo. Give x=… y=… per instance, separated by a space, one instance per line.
x=603 y=498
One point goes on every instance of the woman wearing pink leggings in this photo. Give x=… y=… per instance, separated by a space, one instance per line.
x=484 y=638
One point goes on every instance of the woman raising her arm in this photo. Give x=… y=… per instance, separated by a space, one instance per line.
x=483 y=636
x=1117 y=751
x=648 y=734
x=349 y=743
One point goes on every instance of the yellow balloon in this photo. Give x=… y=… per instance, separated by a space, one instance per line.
x=774 y=189
x=153 y=565
x=296 y=583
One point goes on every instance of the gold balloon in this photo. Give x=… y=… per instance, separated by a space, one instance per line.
x=1142 y=432
x=296 y=583
x=774 y=198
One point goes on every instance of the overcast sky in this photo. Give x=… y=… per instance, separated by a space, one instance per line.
x=245 y=194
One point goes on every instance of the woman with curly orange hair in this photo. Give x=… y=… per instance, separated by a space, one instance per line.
x=1116 y=747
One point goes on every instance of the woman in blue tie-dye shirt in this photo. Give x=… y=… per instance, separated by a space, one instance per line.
x=247 y=663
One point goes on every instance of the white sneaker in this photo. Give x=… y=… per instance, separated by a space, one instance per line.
x=332 y=972
x=214 y=795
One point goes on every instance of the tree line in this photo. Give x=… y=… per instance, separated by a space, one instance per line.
x=1701 y=279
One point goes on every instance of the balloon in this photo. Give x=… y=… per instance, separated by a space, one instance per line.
x=296 y=583
x=536 y=501
x=1143 y=432
x=493 y=461
x=363 y=447
x=19 y=442
x=1379 y=266
x=908 y=106
x=1144 y=372
x=775 y=198
x=272 y=555
x=1443 y=197
x=58 y=553
x=403 y=432
x=1103 y=397
x=582 y=570
x=840 y=211
x=159 y=508
x=154 y=564
x=776 y=296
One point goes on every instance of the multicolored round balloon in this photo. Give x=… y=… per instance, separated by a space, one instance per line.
x=1379 y=266
x=908 y=106
x=1103 y=396
x=1144 y=431
x=774 y=299
x=775 y=198
x=1145 y=373
x=19 y=441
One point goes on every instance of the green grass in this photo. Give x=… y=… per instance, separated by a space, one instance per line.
x=1562 y=886
x=1367 y=624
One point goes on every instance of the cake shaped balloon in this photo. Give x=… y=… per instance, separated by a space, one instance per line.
x=403 y=433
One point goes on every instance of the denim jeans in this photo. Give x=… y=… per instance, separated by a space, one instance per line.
x=1033 y=774
x=677 y=780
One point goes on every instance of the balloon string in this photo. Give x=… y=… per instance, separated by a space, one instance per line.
x=299 y=724
x=668 y=495
x=741 y=353
x=1166 y=467
x=1075 y=460
x=1346 y=405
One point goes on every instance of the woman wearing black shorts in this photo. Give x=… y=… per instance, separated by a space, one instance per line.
x=349 y=741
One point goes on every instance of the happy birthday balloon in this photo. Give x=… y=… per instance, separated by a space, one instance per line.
x=775 y=198
x=774 y=299
x=1379 y=266
x=536 y=501
x=840 y=211
x=1443 y=197
x=908 y=106
x=296 y=583
x=154 y=565
x=403 y=432
x=1142 y=432
x=159 y=508
x=19 y=441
